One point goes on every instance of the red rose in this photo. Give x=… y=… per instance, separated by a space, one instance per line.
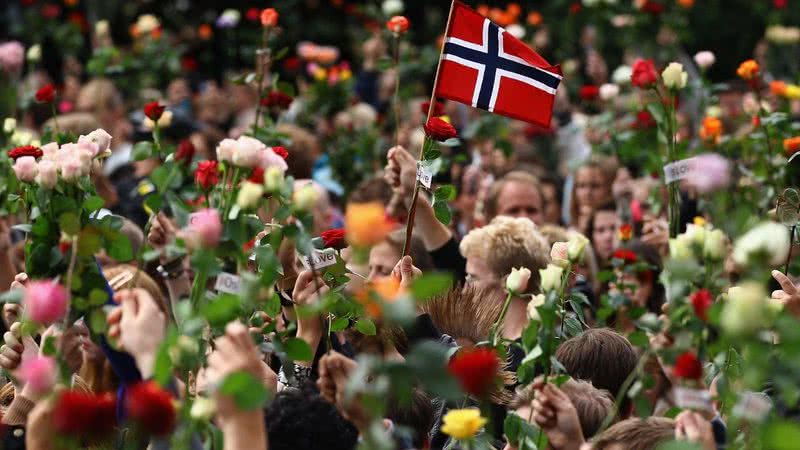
x=334 y=239
x=438 y=108
x=644 y=74
x=151 y=408
x=644 y=120
x=291 y=64
x=51 y=11
x=269 y=17
x=625 y=232
x=398 y=24
x=277 y=99
x=701 y=301
x=257 y=176
x=206 y=175
x=188 y=64
x=185 y=152
x=253 y=14
x=575 y=8
x=153 y=111
x=688 y=366
x=652 y=7
x=627 y=256
x=589 y=92
x=439 y=130
x=780 y=4
x=248 y=246
x=46 y=94
x=82 y=414
x=280 y=151
x=475 y=369
x=28 y=150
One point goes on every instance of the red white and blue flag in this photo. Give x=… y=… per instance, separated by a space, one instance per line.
x=484 y=66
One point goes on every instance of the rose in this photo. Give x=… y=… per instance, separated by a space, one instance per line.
x=269 y=17
x=398 y=24
x=277 y=99
x=589 y=92
x=712 y=173
x=701 y=300
x=273 y=179
x=81 y=414
x=622 y=75
x=249 y=195
x=70 y=168
x=185 y=152
x=439 y=130
x=711 y=130
x=46 y=94
x=576 y=246
x=625 y=232
x=268 y=158
x=517 y=280
x=462 y=423
x=206 y=175
x=536 y=301
x=768 y=238
x=203 y=409
x=205 y=228
x=34 y=53
x=704 y=59
x=334 y=238
x=305 y=198
x=27 y=150
x=9 y=125
x=674 y=76
x=748 y=70
x=609 y=91
x=392 y=7
x=715 y=245
x=12 y=55
x=229 y=18
x=147 y=23
x=39 y=373
x=45 y=302
x=163 y=122
x=99 y=138
x=550 y=277
x=151 y=407
x=791 y=145
x=745 y=311
x=248 y=152
x=154 y=110
x=559 y=254
x=644 y=74
x=226 y=149
x=688 y=366
x=475 y=369
x=695 y=234
x=26 y=168
x=280 y=151
x=48 y=174
x=366 y=224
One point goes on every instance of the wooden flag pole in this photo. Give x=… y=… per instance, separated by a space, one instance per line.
x=412 y=211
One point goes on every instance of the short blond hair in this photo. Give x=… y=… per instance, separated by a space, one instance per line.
x=507 y=243
x=636 y=434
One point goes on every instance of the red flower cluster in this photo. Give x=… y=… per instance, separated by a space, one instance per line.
x=51 y=11
x=185 y=152
x=701 y=301
x=46 y=94
x=398 y=24
x=438 y=108
x=334 y=238
x=688 y=366
x=280 y=151
x=475 y=369
x=206 y=175
x=627 y=256
x=644 y=120
x=153 y=111
x=28 y=150
x=589 y=92
x=780 y=4
x=277 y=99
x=82 y=414
x=151 y=408
x=644 y=74
x=439 y=130
x=257 y=176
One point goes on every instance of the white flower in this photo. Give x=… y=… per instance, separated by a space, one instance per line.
x=203 y=409
x=623 y=20
x=778 y=34
x=714 y=246
x=559 y=254
x=9 y=125
x=591 y=3
x=229 y=18
x=768 y=238
x=147 y=23
x=517 y=280
x=570 y=66
x=249 y=195
x=164 y=121
x=704 y=59
x=306 y=197
x=34 y=53
x=745 y=310
x=609 y=91
x=273 y=179
x=679 y=249
x=714 y=111
x=226 y=149
x=622 y=75
x=674 y=76
x=516 y=30
x=101 y=28
x=99 y=137
x=576 y=246
x=248 y=152
x=695 y=234
x=551 y=277
x=536 y=301
x=392 y=7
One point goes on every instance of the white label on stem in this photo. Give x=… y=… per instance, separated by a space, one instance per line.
x=228 y=283
x=424 y=175
x=678 y=170
x=752 y=406
x=697 y=399
x=319 y=259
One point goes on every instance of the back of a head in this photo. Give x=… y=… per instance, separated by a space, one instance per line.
x=302 y=420
x=593 y=405
x=599 y=355
x=636 y=434
x=303 y=150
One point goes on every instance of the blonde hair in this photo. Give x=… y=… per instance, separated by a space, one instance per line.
x=77 y=123
x=126 y=273
x=507 y=243
x=490 y=207
x=636 y=434
x=99 y=96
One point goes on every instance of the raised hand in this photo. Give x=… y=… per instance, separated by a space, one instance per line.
x=788 y=295
x=141 y=327
x=554 y=413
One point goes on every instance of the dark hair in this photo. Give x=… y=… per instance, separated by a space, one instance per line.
x=300 y=419
x=374 y=189
x=416 y=414
x=605 y=207
x=648 y=254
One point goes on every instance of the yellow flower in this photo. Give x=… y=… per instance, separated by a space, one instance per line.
x=320 y=74
x=463 y=423
x=748 y=70
x=792 y=92
x=366 y=224
x=699 y=221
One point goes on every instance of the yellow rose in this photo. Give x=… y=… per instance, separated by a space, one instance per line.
x=463 y=423
x=792 y=92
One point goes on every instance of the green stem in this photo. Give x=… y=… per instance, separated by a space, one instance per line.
x=157 y=139
x=229 y=202
x=500 y=320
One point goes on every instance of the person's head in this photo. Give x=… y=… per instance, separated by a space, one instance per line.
x=551 y=198
x=303 y=150
x=639 y=276
x=303 y=420
x=122 y=276
x=416 y=415
x=101 y=98
x=506 y=243
x=517 y=194
x=599 y=355
x=467 y=314
x=371 y=190
x=593 y=182
x=636 y=434
x=322 y=210
x=384 y=256
x=602 y=231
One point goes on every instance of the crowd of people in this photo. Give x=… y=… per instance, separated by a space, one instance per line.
x=547 y=292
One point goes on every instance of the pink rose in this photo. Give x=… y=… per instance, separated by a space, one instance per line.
x=711 y=172
x=226 y=149
x=205 y=228
x=248 y=152
x=271 y=159
x=559 y=254
x=50 y=150
x=45 y=302
x=39 y=373
x=26 y=168
x=100 y=137
x=70 y=168
x=48 y=174
x=12 y=55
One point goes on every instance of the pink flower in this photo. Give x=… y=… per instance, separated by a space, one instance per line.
x=39 y=373
x=71 y=168
x=49 y=150
x=271 y=159
x=48 y=174
x=205 y=228
x=559 y=253
x=711 y=172
x=100 y=137
x=12 y=55
x=226 y=149
x=45 y=302
x=248 y=152
x=26 y=168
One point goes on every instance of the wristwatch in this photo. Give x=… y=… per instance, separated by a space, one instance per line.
x=171 y=270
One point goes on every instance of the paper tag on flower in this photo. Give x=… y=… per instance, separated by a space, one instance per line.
x=678 y=170
x=319 y=259
x=424 y=175
x=697 y=399
x=228 y=283
x=752 y=406
x=192 y=218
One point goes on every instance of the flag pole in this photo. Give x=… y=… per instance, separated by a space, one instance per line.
x=412 y=212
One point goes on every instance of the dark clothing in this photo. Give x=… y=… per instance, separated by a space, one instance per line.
x=447 y=258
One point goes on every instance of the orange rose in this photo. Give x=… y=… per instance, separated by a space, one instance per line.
x=204 y=31
x=398 y=24
x=686 y=3
x=748 y=70
x=534 y=18
x=377 y=291
x=366 y=224
x=269 y=17
x=791 y=145
x=711 y=129
x=483 y=10
x=514 y=9
x=777 y=88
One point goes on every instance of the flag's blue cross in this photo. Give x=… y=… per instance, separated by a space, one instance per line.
x=492 y=61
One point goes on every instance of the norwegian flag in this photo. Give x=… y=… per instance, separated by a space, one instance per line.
x=484 y=66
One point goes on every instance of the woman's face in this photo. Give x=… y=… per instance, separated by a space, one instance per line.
x=382 y=259
x=591 y=189
x=634 y=289
x=480 y=275
x=604 y=234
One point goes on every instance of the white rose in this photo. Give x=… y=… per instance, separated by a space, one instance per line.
x=392 y=7
x=147 y=23
x=704 y=59
x=745 y=310
x=679 y=249
x=559 y=255
x=226 y=149
x=273 y=179
x=714 y=246
x=536 y=301
x=517 y=280
x=622 y=75
x=550 y=277
x=769 y=238
x=9 y=125
x=101 y=28
x=516 y=30
x=203 y=409
x=674 y=76
x=695 y=234
x=609 y=91
x=248 y=152
x=249 y=195
x=714 y=111
x=306 y=197
x=576 y=246
x=34 y=53
x=99 y=137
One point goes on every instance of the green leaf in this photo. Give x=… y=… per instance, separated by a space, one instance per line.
x=340 y=323
x=70 y=223
x=159 y=177
x=98 y=297
x=639 y=339
x=93 y=203
x=366 y=327
x=120 y=248
x=247 y=391
x=446 y=193
x=222 y=310
x=97 y=321
x=442 y=212
x=49 y=347
x=298 y=350
x=431 y=284
x=142 y=150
